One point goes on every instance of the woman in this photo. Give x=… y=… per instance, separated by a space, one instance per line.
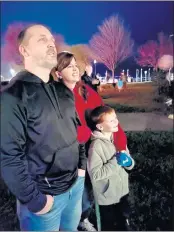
x=85 y=99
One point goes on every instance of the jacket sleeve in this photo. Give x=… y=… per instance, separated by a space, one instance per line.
x=83 y=134
x=94 y=99
x=96 y=168
x=14 y=165
x=120 y=139
x=82 y=157
x=82 y=151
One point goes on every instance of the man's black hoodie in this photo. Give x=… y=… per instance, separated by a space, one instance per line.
x=39 y=150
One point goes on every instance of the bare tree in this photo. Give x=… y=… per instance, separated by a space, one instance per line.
x=112 y=44
x=152 y=51
x=83 y=55
x=9 y=51
x=61 y=44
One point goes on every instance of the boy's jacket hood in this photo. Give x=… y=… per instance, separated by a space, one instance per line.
x=99 y=135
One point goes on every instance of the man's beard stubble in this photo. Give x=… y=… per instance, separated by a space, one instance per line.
x=48 y=63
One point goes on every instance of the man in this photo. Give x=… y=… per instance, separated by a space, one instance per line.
x=40 y=160
x=166 y=63
x=89 y=78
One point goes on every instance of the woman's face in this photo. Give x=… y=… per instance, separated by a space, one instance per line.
x=71 y=73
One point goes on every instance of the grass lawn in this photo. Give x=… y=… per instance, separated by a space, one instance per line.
x=137 y=96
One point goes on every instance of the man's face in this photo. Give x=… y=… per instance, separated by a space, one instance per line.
x=40 y=47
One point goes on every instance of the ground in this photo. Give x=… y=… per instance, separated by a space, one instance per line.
x=145 y=121
x=136 y=95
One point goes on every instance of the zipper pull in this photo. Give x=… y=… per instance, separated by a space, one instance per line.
x=47 y=182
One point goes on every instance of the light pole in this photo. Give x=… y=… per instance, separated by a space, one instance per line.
x=95 y=62
x=171 y=37
x=2 y=78
x=141 y=75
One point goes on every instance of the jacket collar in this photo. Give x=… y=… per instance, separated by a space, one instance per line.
x=100 y=135
x=30 y=77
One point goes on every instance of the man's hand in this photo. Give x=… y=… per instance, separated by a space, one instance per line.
x=95 y=82
x=48 y=206
x=81 y=172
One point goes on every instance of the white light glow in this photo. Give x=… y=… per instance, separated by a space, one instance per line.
x=12 y=71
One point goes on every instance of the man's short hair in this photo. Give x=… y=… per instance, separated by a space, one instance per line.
x=23 y=33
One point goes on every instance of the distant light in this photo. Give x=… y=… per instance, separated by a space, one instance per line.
x=2 y=78
x=172 y=35
x=12 y=71
x=95 y=61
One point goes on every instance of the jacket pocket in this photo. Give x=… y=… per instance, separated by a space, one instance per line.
x=108 y=192
x=64 y=160
x=114 y=188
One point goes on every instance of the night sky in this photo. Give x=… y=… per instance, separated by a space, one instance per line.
x=78 y=21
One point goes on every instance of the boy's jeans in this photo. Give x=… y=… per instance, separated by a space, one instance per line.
x=65 y=214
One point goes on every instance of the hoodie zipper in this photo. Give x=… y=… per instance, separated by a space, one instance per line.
x=57 y=101
x=54 y=101
x=46 y=179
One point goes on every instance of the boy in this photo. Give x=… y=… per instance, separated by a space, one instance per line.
x=106 y=168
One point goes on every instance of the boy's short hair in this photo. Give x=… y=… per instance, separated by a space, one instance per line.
x=97 y=116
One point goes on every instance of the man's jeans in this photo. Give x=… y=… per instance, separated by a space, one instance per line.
x=64 y=215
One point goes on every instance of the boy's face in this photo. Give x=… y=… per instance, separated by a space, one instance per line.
x=109 y=124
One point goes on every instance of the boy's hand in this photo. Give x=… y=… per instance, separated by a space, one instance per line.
x=123 y=159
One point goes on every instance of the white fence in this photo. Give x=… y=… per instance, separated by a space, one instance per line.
x=129 y=80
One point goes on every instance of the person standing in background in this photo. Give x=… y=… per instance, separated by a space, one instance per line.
x=89 y=78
